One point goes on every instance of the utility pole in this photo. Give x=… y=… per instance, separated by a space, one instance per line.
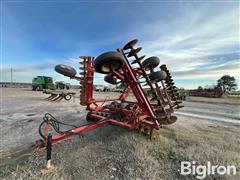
x=11 y=77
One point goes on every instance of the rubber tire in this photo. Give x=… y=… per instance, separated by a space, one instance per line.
x=110 y=79
x=153 y=61
x=34 y=88
x=109 y=58
x=158 y=76
x=65 y=70
x=68 y=97
x=90 y=118
x=39 y=88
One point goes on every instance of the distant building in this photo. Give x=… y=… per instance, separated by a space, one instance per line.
x=15 y=85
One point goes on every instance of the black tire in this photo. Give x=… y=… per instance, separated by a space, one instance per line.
x=68 y=97
x=39 y=88
x=65 y=70
x=110 y=79
x=90 y=118
x=34 y=87
x=158 y=76
x=106 y=61
x=151 y=62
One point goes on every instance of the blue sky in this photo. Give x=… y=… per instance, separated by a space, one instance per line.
x=199 y=41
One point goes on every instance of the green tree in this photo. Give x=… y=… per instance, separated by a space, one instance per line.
x=227 y=83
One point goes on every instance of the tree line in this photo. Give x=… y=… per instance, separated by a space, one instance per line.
x=226 y=83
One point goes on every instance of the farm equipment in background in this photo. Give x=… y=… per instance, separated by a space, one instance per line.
x=212 y=93
x=233 y=94
x=119 y=87
x=58 y=95
x=62 y=85
x=42 y=82
x=183 y=94
x=101 y=88
x=59 y=92
x=149 y=112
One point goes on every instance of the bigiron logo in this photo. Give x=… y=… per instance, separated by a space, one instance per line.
x=201 y=171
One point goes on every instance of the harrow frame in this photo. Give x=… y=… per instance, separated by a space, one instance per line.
x=141 y=115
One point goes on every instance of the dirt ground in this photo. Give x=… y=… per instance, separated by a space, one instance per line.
x=223 y=100
x=111 y=152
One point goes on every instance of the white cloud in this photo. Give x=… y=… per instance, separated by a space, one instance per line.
x=194 y=51
x=214 y=73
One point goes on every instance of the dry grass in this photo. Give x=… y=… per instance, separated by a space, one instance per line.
x=115 y=153
x=223 y=100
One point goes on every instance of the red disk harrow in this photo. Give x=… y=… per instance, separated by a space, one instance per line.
x=156 y=97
